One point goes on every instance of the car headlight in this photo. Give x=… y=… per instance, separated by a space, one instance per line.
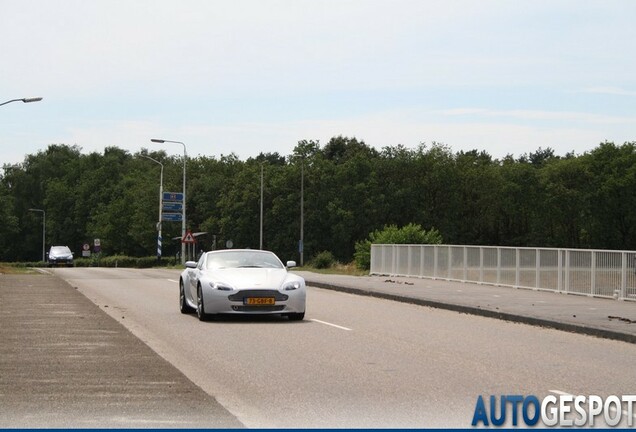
x=221 y=286
x=290 y=286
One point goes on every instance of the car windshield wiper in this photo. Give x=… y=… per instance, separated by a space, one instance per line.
x=250 y=266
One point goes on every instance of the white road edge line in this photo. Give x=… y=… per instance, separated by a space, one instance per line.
x=170 y=280
x=559 y=392
x=330 y=324
x=39 y=270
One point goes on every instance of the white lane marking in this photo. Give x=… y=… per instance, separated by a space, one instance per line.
x=170 y=280
x=330 y=324
x=559 y=392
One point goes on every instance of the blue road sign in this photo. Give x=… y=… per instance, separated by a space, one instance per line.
x=172 y=206
x=172 y=217
x=173 y=196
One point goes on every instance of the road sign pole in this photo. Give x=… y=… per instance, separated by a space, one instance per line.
x=183 y=221
x=172 y=202
x=160 y=216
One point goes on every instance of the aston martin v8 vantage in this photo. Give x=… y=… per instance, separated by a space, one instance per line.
x=241 y=281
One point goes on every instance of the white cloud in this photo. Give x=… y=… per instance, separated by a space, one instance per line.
x=532 y=115
x=98 y=46
x=247 y=139
x=259 y=75
x=609 y=91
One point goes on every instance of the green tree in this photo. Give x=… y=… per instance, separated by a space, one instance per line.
x=565 y=185
x=478 y=185
x=520 y=204
x=611 y=193
x=350 y=190
x=9 y=228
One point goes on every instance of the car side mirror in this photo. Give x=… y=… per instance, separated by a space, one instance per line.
x=291 y=264
x=191 y=264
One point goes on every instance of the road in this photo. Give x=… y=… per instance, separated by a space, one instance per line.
x=355 y=361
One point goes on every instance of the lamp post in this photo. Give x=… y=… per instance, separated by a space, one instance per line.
x=183 y=217
x=302 y=212
x=261 y=227
x=25 y=100
x=43 y=231
x=160 y=207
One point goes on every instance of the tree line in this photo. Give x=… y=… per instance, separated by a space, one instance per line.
x=349 y=191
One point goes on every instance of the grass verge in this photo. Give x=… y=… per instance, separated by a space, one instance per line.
x=11 y=269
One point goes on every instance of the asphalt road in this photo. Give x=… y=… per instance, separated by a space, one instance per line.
x=355 y=361
x=66 y=364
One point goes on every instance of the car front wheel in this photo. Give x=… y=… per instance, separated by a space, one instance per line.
x=183 y=303
x=200 y=308
x=296 y=316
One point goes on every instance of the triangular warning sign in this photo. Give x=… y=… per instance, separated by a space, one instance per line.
x=188 y=238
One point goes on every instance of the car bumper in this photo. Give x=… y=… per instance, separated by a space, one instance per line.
x=234 y=302
x=61 y=262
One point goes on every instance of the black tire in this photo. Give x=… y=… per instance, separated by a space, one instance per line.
x=296 y=316
x=200 y=308
x=183 y=304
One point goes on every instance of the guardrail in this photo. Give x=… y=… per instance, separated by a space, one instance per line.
x=598 y=273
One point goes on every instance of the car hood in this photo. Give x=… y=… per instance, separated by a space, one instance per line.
x=253 y=278
x=61 y=255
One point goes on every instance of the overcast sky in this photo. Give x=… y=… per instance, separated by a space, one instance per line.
x=251 y=76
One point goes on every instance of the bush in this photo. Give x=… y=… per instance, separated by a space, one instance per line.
x=323 y=260
x=124 y=261
x=97 y=260
x=391 y=234
x=23 y=265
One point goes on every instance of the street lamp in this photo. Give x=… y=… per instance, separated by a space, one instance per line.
x=302 y=212
x=25 y=100
x=43 y=230
x=160 y=209
x=261 y=226
x=183 y=217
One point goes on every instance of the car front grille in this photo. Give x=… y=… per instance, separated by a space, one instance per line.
x=243 y=294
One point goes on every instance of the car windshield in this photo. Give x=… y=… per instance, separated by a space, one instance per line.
x=60 y=250
x=243 y=259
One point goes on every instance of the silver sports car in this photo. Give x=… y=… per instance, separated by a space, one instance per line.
x=241 y=281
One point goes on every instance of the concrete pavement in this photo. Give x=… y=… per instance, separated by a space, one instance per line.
x=64 y=363
x=599 y=317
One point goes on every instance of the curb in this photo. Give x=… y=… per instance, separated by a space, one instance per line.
x=472 y=310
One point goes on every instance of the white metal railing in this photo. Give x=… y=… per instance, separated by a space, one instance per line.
x=598 y=273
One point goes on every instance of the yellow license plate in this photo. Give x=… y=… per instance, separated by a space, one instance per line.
x=260 y=301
